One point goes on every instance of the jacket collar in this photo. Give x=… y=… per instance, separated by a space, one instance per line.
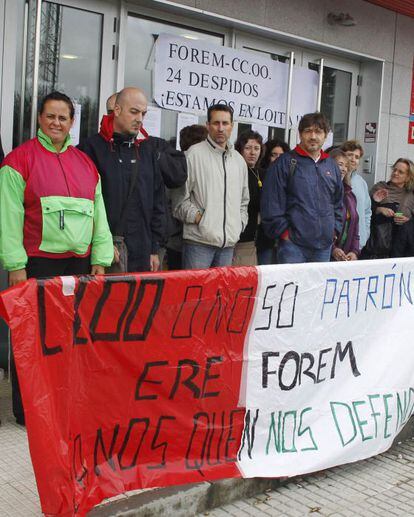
x=47 y=143
x=216 y=148
x=302 y=152
x=107 y=130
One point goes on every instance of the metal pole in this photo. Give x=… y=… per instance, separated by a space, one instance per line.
x=289 y=94
x=36 y=57
x=321 y=64
x=23 y=85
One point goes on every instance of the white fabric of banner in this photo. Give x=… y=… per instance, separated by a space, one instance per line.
x=190 y=75
x=328 y=365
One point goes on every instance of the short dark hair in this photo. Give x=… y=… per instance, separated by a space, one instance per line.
x=244 y=137
x=352 y=145
x=269 y=146
x=57 y=96
x=219 y=107
x=316 y=119
x=190 y=135
x=337 y=153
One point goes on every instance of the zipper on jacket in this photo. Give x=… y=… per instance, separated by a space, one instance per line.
x=318 y=189
x=64 y=174
x=224 y=200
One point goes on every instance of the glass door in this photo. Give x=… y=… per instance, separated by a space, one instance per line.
x=75 y=57
x=339 y=93
x=339 y=83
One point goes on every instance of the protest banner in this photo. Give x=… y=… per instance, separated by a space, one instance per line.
x=147 y=380
x=190 y=76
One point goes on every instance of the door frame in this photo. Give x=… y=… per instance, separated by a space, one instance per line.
x=110 y=12
x=352 y=67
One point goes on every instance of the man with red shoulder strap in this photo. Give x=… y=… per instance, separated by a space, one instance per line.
x=302 y=197
x=134 y=168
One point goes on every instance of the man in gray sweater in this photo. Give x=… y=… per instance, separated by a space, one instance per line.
x=213 y=203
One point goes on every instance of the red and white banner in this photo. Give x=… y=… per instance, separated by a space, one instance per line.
x=158 y=379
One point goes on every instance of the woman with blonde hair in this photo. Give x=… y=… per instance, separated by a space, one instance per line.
x=392 y=208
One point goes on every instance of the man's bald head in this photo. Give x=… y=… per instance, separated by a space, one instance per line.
x=131 y=94
x=110 y=103
x=129 y=112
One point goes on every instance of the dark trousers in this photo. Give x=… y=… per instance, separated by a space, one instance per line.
x=174 y=259
x=39 y=267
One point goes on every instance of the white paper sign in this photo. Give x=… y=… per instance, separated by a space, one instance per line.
x=328 y=371
x=184 y=120
x=329 y=141
x=262 y=130
x=304 y=93
x=152 y=121
x=75 y=129
x=191 y=75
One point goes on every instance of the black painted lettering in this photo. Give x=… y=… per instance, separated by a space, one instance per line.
x=265 y=367
x=341 y=354
x=208 y=377
x=144 y=309
x=133 y=436
x=142 y=379
x=100 y=450
x=188 y=382
x=183 y=325
x=163 y=445
x=41 y=301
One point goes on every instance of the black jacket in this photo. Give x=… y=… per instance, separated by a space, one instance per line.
x=158 y=165
x=249 y=233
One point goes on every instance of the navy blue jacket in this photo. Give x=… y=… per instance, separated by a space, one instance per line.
x=308 y=204
x=158 y=165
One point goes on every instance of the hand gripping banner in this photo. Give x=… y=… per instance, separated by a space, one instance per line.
x=149 y=380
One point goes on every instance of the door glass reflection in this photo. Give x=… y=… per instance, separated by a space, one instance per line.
x=70 y=62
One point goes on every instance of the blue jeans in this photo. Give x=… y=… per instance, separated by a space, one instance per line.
x=290 y=253
x=267 y=256
x=203 y=256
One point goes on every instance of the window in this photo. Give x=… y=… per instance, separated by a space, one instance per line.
x=142 y=33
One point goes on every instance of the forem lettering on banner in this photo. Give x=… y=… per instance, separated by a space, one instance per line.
x=329 y=377
x=192 y=75
x=137 y=381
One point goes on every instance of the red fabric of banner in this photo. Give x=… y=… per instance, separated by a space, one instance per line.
x=130 y=381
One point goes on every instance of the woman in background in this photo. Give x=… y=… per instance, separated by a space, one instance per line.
x=273 y=149
x=249 y=145
x=346 y=246
x=266 y=247
x=392 y=209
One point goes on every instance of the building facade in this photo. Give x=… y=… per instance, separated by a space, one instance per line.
x=91 y=48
